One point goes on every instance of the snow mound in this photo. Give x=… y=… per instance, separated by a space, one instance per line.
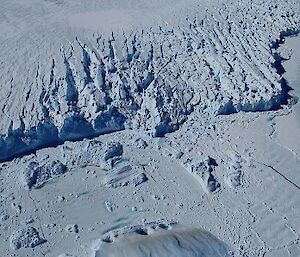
x=25 y=237
x=160 y=241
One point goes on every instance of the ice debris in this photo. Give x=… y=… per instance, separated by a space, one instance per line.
x=110 y=206
x=27 y=237
x=92 y=152
x=234 y=176
x=140 y=143
x=36 y=173
x=141 y=229
x=202 y=171
x=125 y=175
x=72 y=228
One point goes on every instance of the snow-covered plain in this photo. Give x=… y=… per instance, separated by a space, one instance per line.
x=149 y=128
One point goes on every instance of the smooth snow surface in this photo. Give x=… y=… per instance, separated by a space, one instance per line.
x=149 y=128
x=289 y=126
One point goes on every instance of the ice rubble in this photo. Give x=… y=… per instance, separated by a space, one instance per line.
x=202 y=170
x=110 y=207
x=107 y=156
x=200 y=166
x=91 y=152
x=125 y=176
x=234 y=177
x=141 y=229
x=36 y=173
x=158 y=240
x=72 y=228
x=72 y=155
x=140 y=143
x=25 y=237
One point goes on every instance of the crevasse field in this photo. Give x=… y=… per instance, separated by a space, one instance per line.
x=154 y=128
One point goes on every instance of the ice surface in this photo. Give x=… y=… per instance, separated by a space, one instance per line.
x=117 y=113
